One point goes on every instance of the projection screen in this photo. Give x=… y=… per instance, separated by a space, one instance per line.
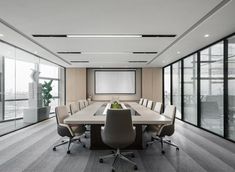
x=115 y=82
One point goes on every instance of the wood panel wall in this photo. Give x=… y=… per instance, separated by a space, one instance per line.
x=75 y=84
x=152 y=84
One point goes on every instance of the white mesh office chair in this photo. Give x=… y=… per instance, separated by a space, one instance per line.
x=145 y=101
x=150 y=104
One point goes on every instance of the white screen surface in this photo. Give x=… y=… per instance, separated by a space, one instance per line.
x=115 y=82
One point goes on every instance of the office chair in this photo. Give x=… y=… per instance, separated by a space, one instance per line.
x=86 y=103
x=73 y=132
x=89 y=101
x=141 y=101
x=145 y=101
x=158 y=107
x=74 y=107
x=81 y=104
x=118 y=133
x=149 y=104
x=165 y=130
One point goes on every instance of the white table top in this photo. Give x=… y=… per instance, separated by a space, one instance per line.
x=86 y=115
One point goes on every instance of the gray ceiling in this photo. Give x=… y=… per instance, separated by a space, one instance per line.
x=190 y=20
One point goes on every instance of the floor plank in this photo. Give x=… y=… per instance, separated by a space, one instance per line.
x=30 y=149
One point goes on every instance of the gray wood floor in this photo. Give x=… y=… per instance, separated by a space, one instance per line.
x=30 y=150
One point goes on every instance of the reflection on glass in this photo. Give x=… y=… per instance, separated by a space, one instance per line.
x=212 y=88
x=176 y=79
x=48 y=71
x=167 y=86
x=20 y=94
x=190 y=89
x=231 y=90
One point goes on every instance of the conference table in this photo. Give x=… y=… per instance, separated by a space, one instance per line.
x=93 y=115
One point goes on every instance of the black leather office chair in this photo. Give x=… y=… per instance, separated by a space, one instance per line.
x=64 y=130
x=164 y=130
x=118 y=133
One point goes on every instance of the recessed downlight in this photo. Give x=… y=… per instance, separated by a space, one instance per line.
x=178 y=52
x=1 y=35
x=206 y=35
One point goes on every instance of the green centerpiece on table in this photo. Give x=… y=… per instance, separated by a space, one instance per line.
x=116 y=105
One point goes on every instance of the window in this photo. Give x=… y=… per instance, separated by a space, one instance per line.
x=176 y=84
x=211 y=83
x=167 y=85
x=231 y=90
x=20 y=96
x=190 y=89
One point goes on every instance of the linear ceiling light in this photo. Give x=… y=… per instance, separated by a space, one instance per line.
x=140 y=61
x=103 y=36
x=78 y=52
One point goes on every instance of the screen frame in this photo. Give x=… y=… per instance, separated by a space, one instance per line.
x=114 y=70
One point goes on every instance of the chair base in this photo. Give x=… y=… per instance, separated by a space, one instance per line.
x=161 y=140
x=118 y=155
x=71 y=140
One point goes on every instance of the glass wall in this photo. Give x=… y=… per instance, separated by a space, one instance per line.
x=190 y=89
x=20 y=90
x=167 y=85
x=231 y=90
x=212 y=72
x=207 y=87
x=176 y=84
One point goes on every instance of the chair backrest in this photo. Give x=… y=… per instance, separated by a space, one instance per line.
x=170 y=112
x=86 y=103
x=145 y=101
x=158 y=107
x=74 y=107
x=150 y=104
x=141 y=101
x=81 y=104
x=61 y=113
x=118 y=130
x=169 y=129
x=89 y=101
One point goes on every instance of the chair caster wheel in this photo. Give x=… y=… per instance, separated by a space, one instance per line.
x=163 y=152
x=85 y=136
x=133 y=155
x=135 y=167
x=177 y=149
x=84 y=146
x=112 y=152
x=113 y=170
x=54 y=148
x=68 y=152
x=101 y=160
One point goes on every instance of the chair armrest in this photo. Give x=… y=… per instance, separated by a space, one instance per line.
x=67 y=126
x=166 y=130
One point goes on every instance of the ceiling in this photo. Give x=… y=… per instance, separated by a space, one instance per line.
x=189 y=20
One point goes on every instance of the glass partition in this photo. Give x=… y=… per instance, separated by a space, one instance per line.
x=211 y=81
x=21 y=90
x=190 y=89
x=231 y=90
x=167 y=85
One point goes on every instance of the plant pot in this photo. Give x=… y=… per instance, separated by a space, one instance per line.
x=33 y=115
x=43 y=113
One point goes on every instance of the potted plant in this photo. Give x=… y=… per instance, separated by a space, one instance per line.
x=46 y=96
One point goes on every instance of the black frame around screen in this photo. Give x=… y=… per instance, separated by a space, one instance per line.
x=115 y=70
